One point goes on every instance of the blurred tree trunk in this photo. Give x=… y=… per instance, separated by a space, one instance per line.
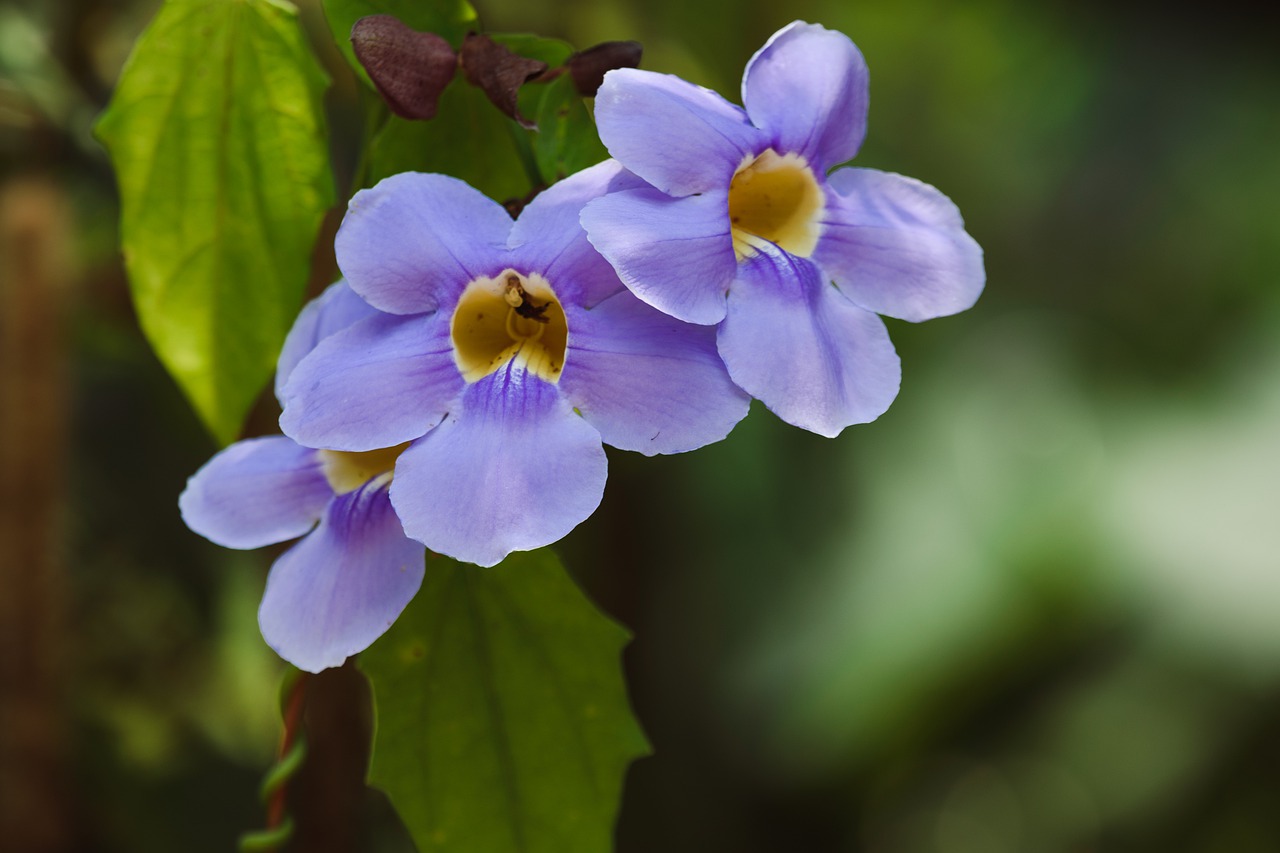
x=34 y=274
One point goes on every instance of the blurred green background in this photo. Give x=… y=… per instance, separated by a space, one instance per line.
x=1033 y=608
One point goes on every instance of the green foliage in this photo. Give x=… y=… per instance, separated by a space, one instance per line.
x=567 y=141
x=468 y=139
x=217 y=134
x=449 y=19
x=503 y=722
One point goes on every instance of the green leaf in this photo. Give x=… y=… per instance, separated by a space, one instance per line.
x=503 y=722
x=567 y=140
x=449 y=19
x=468 y=139
x=217 y=134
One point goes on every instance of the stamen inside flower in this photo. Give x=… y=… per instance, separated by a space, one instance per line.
x=775 y=198
x=510 y=316
x=347 y=471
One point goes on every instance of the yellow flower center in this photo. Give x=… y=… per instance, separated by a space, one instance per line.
x=347 y=471
x=775 y=198
x=509 y=316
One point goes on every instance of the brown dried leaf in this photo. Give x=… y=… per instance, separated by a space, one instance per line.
x=410 y=69
x=588 y=67
x=499 y=73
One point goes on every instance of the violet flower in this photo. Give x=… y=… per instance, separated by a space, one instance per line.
x=340 y=587
x=509 y=352
x=742 y=226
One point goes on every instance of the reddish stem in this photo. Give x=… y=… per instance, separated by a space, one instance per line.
x=293 y=709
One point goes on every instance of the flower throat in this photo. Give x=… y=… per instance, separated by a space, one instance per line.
x=505 y=318
x=775 y=199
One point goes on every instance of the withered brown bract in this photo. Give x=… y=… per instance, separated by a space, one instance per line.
x=410 y=69
x=499 y=72
x=588 y=67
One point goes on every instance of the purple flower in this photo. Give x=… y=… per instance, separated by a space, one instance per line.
x=509 y=352
x=741 y=226
x=340 y=587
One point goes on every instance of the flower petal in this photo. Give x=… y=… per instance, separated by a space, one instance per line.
x=808 y=88
x=513 y=469
x=256 y=492
x=413 y=241
x=808 y=353
x=331 y=311
x=675 y=254
x=649 y=382
x=547 y=238
x=380 y=382
x=340 y=588
x=681 y=138
x=898 y=247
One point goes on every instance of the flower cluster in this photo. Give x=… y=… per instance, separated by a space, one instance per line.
x=742 y=227
x=456 y=395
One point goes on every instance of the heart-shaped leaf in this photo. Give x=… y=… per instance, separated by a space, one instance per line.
x=503 y=724
x=217 y=133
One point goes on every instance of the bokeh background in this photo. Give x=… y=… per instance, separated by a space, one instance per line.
x=1033 y=608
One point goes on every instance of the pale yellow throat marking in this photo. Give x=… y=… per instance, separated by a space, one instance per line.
x=348 y=471
x=775 y=198
x=510 y=316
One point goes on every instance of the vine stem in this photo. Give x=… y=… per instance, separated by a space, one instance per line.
x=294 y=704
x=275 y=787
x=523 y=142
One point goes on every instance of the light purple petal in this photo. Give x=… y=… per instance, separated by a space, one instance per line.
x=649 y=382
x=792 y=341
x=380 y=382
x=898 y=247
x=513 y=469
x=331 y=311
x=256 y=492
x=548 y=239
x=675 y=254
x=413 y=241
x=681 y=138
x=340 y=588
x=808 y=88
